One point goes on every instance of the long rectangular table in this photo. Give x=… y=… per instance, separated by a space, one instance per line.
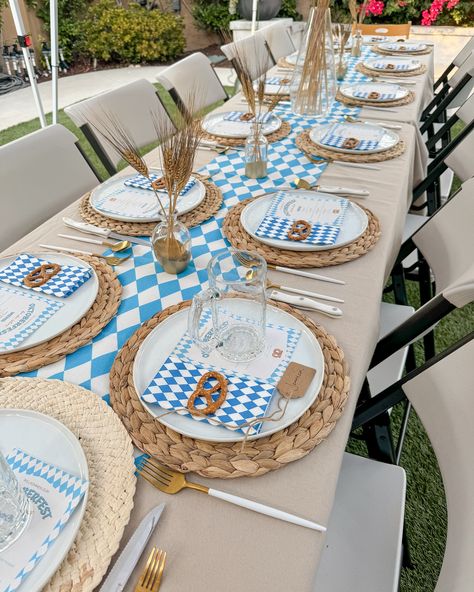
x=215 y=546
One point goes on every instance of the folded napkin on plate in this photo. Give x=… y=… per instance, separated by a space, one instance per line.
x=402 y=46
x=364 y=92
x=392 y=66
x=278 y=81
x=63 y=284
x=176 y=380
x=236 y=116
x=141 y=182
x=338 y=136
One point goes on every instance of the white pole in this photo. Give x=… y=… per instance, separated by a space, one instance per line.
x=20 y=31
x=53 y=27
x=254 y=16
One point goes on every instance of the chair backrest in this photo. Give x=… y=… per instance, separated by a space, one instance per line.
x=135 y=106
x=443 y=398
x=466 y=67
x=465 y=113
x=40 y=174
x=252 y=51
x=400 y=31
x=447 y=238
x=193 y=83
x=464 y=53
x=460 y=159
x=278 y=40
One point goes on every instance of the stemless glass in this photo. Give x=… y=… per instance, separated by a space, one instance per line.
x=237 y=302
x=14 y=506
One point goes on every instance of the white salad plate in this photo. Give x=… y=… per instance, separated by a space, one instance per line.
x=74 y=306
x=147 y=208
x=216 y=124
x=403 y=47
x=348 y=91
x=162 y=340
x=49 y=440
x=354 y=224
x=412 y=64
x=387 y=141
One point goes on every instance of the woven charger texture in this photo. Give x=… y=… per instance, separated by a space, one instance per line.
x=230 y=460
x=109 y=454
x=374 y=73
x=102 y=311
x=209 y=206
x=304 y=143
x=382 y=104
x=240 y=239
x=283 y=132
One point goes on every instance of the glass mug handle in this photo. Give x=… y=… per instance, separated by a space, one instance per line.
x=205 y=298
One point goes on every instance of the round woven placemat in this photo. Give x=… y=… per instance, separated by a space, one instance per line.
x=372 y=73
x=109 y=454
x=376 y=49
x=230 y=460
x=98 y=316
x=240 y=239
x=361 y=103
x=281 y=133
x=282 y=63
x=304 y=143
x=209 y=206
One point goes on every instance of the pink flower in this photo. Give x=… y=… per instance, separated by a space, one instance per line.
x=375 y=7
x=429 y=16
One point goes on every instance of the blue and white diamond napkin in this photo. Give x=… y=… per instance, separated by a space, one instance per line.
x=325 y=215
x=398 y=66
x=141 y=182
x=247 y=399
x=368 y=136
x=385 y=92
x=63 y=284
x=54 y=494
x=236 y=115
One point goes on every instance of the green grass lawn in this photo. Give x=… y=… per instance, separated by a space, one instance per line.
x=425 y=508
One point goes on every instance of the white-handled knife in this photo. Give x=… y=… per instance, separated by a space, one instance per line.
x=306 y=303
x=357 y=165
x=123 y=567
x=104 y=232
x=343 y=190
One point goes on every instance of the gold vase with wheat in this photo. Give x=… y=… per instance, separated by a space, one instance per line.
x=313 y=87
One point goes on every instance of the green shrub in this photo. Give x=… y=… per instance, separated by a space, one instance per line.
x=113 y=33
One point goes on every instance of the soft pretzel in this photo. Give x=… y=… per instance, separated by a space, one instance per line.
x=300 y=230
x=374 y=95
x=350 y=143
x=41 y=274
x=158 y=184
x=201 y=391
x=246 y=116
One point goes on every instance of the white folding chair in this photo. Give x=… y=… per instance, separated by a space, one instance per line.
x=193 y=84
x=278 y=40
x=456 y=63
x=362 y=551
x=253 y=52
x=40 y=174
x=135 y=106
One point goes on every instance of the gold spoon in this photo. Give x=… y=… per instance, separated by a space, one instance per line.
x=115 y=247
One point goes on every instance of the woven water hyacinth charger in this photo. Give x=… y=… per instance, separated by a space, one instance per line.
x=230 y=460
x=98 y=316
x=374 y=73
x=283 y=132
x=240 y=239
x=382 y=104
x=209 y=206
x=109 y=454
x=304 y=143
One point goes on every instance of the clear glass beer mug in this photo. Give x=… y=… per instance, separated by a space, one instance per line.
x=14 y=506
x=230 y=315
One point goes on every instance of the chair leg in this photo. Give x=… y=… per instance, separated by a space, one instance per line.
x=406 y=555
x=398 y=284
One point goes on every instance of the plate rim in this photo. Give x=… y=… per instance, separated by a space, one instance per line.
x=387 y=132
x=367 y=62
x=52 y=566
x=238 y=137
x=132 y=220
x=294 y=248
x=341 y=89
x=422 y=47
x=81 y=262
x=239 y=438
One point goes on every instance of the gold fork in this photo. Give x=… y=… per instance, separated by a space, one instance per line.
x=170 y=481
x=150 y=580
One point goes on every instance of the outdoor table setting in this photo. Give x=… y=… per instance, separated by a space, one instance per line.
x=187 y=343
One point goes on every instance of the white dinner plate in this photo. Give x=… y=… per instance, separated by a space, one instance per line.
x=74 y=306
x=49 y=440
x=292 y=58
x=147 y=199
x=161 y=341
x=216 y=124
x=412 y=64
x=380 y=87
x=388 y=140
x=354 y=224
x=403 y=47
